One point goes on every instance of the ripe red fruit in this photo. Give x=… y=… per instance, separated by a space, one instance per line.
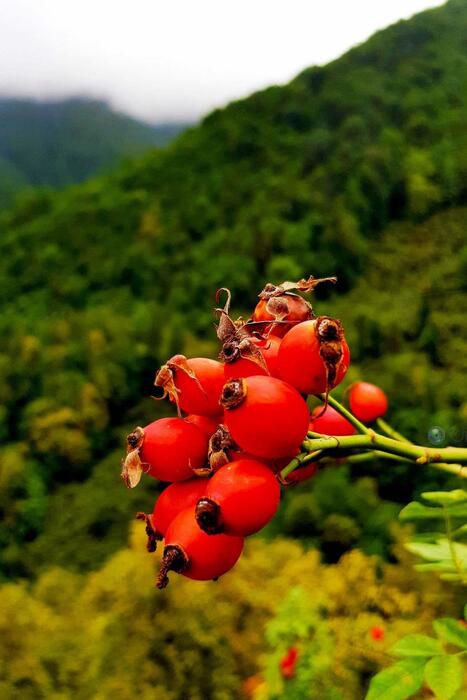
x=377 y=633
x=265 y=416
x=240 y=499
x=168 y=449
x=288 y=663
x=244 y=367
x=314 y=356
x=169 y=504
x=279 y=304
x=367 y=401
x=191 y=552
x=330 y=422
x=193 y=385
x=207 y=425
x=301 y=474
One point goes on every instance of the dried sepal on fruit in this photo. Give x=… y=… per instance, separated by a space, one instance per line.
x=132 y=467
x=280 y=304
x=238 y=341
x=221 y=445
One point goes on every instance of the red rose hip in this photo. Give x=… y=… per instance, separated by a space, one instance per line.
x=191 y=552
x=330 y=422
x=194 y=385
x=173 y=499
x=314 y=356
x=367 y=401
x=265 y=416
x=169 y=449
x=240 y=499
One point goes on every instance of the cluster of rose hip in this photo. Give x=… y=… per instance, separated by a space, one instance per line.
x=246 y=419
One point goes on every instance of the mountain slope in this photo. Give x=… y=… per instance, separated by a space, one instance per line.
x=59 y=143
x=100 y=283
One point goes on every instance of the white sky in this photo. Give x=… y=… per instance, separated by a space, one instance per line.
x=177 y=59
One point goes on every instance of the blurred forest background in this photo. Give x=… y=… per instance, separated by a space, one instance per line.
x=357 y=168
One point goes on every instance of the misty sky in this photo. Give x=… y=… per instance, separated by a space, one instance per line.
x=177 y=59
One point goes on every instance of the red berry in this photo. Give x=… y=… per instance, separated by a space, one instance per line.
x=302 y=473
x=288 y=663
x=367 y=401
x=191 y=552
x=244 y=367
x=207 y=425
x=377 y=633
x=240 y=499
x=330 y=422
x=193 y=385
x=314 y=356
x=168 y=449
x=169 y=504
x=279 y=304
x=265 y=416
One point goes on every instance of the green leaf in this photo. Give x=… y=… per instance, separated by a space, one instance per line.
x=435 y=552
x=416 y=511
x=451 y=577
x=417 y=645
x=465 y=612
x=445 y=498
x=397 y=682
x=446 y=566
x=444 y=675
x=461 y=532
x=451 y=631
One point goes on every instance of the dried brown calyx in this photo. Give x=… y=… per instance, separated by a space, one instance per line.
x=303 y=285
x=237 y=337
x=233 y=394
x=165 y=378
x=154 y=536
x=208 y=516
x=173 y=559
x=330 y=334
x=220 y=444
x=132 y=467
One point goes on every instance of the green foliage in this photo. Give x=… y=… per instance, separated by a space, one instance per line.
x=59 y=143
x=444 y=554
x=428 y=660
x=109 y=634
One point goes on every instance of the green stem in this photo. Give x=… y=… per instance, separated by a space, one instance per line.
x=389 y=430
x=346 y=413
x=449 y=459
x=376 y=454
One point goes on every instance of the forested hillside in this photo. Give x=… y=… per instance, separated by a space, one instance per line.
x=59 y=143
x=357 y=168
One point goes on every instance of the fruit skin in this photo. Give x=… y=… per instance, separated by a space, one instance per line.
x=172 y=448
x=302 y=474
x=301 y=363
x=207 y=425
x=243 y=367
x=173 y=499
x=194 y=385
x=191 y=552
x=288 y=307
x=240 y=499
x=367 y=401
x=265 y=416
x=330 y=422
